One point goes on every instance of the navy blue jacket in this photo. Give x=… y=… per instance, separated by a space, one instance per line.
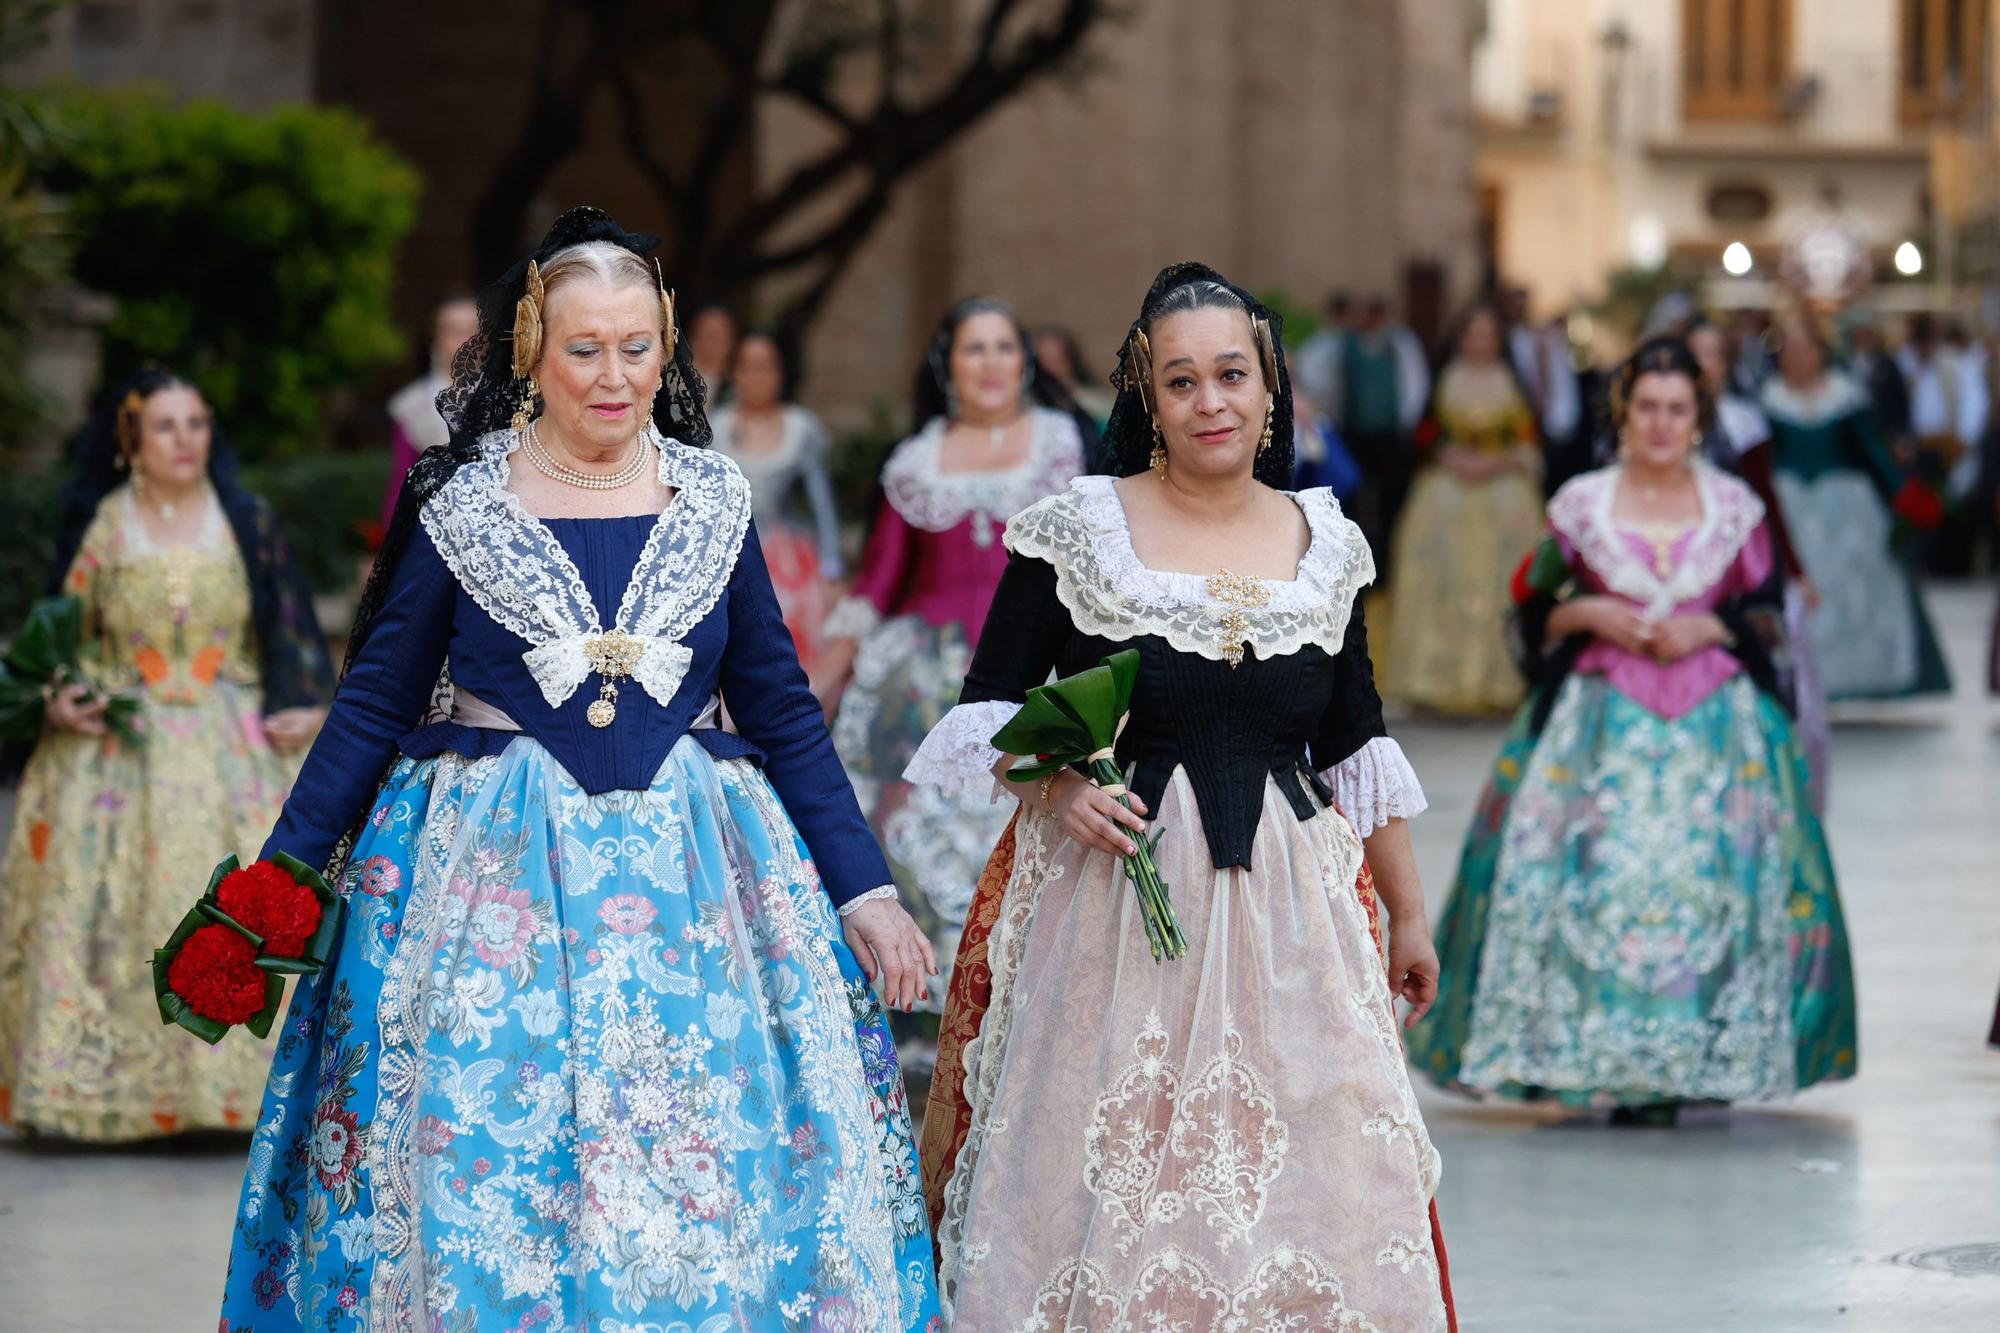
x=741 y=649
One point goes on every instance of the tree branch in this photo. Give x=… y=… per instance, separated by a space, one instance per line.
x=892 y=141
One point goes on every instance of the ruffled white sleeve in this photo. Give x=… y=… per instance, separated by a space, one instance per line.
x=1376 y=784
x=852 y=618
x=959 y=754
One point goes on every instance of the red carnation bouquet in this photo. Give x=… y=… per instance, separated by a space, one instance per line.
x=225 y=964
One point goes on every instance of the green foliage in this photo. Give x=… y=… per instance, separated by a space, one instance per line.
x=323 y=503
x=1300 y=321
x=1631 y=293
x=253 y=253
x=32 y=255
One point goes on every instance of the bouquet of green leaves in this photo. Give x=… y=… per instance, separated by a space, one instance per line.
x=1076 y=720
x=44 y=659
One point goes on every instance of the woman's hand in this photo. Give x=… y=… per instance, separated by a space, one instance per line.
x=892 y=951
x=1091 y=817
x=78 y=708
x=1607 y=618
x=292 y=729
x=1683 y=636
x=1413 y=967
x=1465 y=463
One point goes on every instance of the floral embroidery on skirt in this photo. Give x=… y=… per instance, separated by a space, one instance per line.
x=583 y=1062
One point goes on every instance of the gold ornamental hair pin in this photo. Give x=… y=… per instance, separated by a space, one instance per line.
x=671 y=338
x=528 y=324
x=1139 y=352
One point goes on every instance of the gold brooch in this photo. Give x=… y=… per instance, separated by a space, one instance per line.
x=614 y=655
x=1239 y=594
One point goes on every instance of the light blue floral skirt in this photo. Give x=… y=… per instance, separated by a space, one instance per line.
x=583 y=1063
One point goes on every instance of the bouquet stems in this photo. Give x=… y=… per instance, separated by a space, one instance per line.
x=1156 y=908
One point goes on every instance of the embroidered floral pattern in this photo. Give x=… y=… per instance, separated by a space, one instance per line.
x=1220 y=1136
x=1110 y=593
x=1176 y=1184
x=1290 y=1289
x=1639 y=936
x=617 y=1070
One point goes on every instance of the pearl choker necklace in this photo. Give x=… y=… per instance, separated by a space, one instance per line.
x=546 y=464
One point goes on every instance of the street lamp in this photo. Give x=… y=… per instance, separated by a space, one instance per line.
x=1736 y=260
x=1909 y=259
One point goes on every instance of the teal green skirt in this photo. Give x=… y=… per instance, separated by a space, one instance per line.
x=1645 y=911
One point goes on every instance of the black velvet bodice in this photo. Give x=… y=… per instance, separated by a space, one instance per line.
x=1283 y=718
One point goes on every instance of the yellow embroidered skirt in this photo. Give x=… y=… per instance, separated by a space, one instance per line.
x=110 y=847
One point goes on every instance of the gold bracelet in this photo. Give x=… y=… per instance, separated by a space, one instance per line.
x=1048 y=785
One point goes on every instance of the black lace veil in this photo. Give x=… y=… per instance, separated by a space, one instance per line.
x=484 y=395
x=1128 y=436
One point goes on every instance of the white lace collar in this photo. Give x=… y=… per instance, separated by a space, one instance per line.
x=1833 y=397
x=510 y=563
x=1730 y=513
x=937 y=501
x=1109 y=592
x=213 y=535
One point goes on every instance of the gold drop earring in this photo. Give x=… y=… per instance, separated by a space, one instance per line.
x=1159 y=458
x=526 y=411
x=1270 y=415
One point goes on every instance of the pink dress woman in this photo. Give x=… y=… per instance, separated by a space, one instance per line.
x=920 y=595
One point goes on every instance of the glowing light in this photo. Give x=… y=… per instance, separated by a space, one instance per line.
x=1909 y=259
x=1736 y=259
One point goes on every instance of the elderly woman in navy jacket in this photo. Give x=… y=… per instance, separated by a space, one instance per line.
x=599 y=1044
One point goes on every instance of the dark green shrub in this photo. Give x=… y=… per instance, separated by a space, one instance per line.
x=252 y=252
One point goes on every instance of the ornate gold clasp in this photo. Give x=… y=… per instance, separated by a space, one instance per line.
x=1240 y=594
x=615 y=656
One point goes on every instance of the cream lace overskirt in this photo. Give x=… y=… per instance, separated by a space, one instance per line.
x=1225 y=1142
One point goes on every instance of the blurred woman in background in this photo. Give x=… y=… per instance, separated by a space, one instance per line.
x=782 y=449
x=1475 y=509
x=1645 y=913
x=993 y=439
x=193 y=604
x=1870 y=635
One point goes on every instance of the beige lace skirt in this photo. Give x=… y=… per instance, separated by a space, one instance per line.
x=1225 y=1142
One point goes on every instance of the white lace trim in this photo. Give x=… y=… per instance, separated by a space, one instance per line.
x=1110 y=593
x=1835 y=396
x=509 y=563
x=1376 y=784
x=958 y=754
x=886 y=893
x=937 y=501
x=1730 y=513
x=851 y=618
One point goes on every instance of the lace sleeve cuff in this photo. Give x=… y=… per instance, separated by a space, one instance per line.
x=886 y=892
x=1376 y=784
x=851 y=619
x=958 y=754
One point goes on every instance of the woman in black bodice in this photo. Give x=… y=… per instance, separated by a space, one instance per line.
x=1232 y=1133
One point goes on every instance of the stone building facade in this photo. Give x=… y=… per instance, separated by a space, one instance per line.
x=1301 y=147
x=1298 y=145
